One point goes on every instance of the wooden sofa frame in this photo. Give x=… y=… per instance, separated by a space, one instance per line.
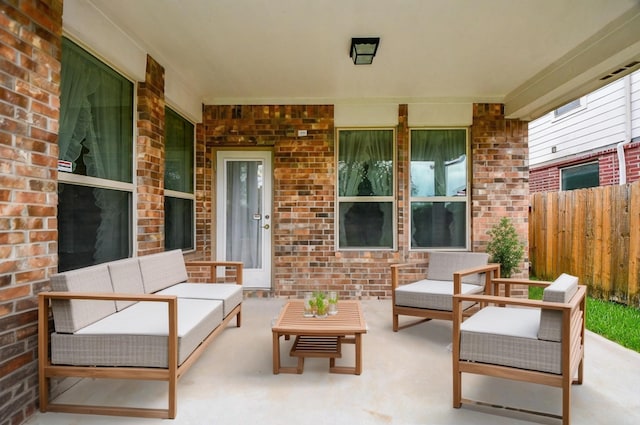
x=491 y=273
x=171 y=374
x=572 y=351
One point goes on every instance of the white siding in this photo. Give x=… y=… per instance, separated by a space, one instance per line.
x=635 y=105
x=600 y=124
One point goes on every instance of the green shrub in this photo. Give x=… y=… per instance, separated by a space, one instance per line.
x=504 y=247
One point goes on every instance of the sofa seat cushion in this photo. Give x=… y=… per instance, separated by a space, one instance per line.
x=137 y=335
x=72 y=315
x=432 y=294
x=508 y=337
x=229 y=293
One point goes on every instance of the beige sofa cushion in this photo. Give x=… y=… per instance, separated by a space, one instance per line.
x=137 y=335
x=162 y=270
x=71 y=315
x=230 y=294
x=126 y=279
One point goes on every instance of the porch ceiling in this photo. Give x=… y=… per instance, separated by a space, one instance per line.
x=532 y=55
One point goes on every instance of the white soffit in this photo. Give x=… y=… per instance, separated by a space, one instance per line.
x=440 y=114
x=366 y=115
x=84 y=23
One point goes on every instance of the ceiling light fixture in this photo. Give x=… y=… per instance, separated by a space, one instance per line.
x=363 y=50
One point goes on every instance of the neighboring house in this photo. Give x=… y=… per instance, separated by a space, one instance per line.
x=592 y=141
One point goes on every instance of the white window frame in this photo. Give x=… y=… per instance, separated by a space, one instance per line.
x=66 y=177
x=186 y=195
x=390 y=199
x=466 y=199
x=570 y=167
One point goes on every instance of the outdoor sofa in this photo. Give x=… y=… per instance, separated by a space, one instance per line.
x=136 y=318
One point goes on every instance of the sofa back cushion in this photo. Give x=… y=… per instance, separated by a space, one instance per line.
x=560 y=291
x=442 y=265
x=162 y=270
x=126 y=279
x=72 y=315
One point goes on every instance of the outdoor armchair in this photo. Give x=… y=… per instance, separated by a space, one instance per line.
x=425 y=290
x=542 y=343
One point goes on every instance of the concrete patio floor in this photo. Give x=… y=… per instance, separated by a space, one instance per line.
x=406 y=379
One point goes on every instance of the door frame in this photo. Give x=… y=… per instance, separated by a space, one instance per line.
x=239 y=153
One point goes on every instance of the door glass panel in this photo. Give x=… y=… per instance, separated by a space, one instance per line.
x=243 y=211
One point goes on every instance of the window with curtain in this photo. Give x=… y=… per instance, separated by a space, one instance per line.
x=178 y=182
x=95 y=161
x=439 y=182
x=366 y=189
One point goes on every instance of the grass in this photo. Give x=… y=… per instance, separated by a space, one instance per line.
x=616 y=322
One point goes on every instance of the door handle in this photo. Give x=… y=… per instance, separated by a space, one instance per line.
x=266 y=226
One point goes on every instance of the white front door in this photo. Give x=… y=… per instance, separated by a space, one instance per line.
x=243 y=212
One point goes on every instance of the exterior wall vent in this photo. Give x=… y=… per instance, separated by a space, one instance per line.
x=627 y=68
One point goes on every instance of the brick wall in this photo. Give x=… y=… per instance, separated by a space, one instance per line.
x=500 y=187
x=29 y=102
x=547 y=178
x=304 y=191
x=150 y=155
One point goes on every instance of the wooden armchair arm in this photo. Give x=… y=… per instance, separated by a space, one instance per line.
x=396 y=272
x=576 y=301
x=491 y=271
x=213 y=265
x=509 y=282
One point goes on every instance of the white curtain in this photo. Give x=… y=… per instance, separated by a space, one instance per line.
x=365 y=158
x=440 y=147
x=92 y=122
x=244 y=200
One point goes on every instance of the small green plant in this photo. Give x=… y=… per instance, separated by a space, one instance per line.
x=320 y=302
x=504 y=247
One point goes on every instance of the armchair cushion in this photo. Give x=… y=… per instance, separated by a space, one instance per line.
x=432 y=294
x=508 y=337
x=560 y=291
x=442 y=265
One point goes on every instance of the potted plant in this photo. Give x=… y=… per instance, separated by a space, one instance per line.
x=321 y=303
x=504 y=247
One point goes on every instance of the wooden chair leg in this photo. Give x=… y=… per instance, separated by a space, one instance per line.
x=395 y=322
x=457 y=387
x=566 y=401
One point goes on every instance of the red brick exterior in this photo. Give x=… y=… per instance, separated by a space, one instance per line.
x=304 y=191
x=547 y=178
x=303 y=195
x=499 y=151
x=150 y=154
x=29 y=113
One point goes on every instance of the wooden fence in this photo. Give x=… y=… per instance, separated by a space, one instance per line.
x=591 y=233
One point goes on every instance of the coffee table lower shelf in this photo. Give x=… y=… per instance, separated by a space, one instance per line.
x=316 y=346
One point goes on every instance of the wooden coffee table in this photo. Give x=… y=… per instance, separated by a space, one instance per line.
x=319 y=337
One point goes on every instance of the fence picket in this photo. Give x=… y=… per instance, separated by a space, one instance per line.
x=592 y=233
